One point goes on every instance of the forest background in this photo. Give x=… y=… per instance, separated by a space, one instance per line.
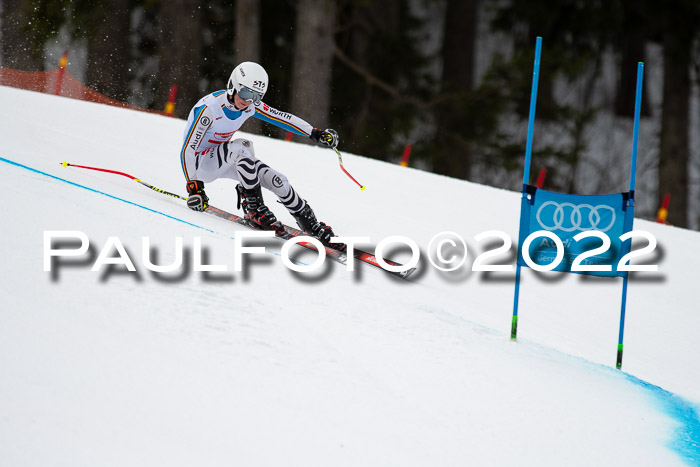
x=449 y=77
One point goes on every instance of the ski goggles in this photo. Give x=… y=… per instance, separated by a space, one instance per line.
x=248 y=94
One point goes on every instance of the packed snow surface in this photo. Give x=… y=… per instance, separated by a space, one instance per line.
x=266 y=366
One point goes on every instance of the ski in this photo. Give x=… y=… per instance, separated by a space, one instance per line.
x=291 y=232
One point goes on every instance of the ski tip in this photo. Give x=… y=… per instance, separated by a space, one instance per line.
x=65 y=164
x=404 y=275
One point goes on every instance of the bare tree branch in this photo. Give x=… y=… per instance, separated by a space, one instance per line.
x=374 y=81
x=396 y=94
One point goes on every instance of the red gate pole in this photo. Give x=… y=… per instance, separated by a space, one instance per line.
x=663 y=210
x=170 y=105
x=61 y=71
x=406 y=155
x=540 y=177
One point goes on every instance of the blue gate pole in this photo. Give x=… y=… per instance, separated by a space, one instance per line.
x=618 y=363
x=533 y=105
x=514 y=324
x=635 y=138
x=637 y=113
x=526 y=174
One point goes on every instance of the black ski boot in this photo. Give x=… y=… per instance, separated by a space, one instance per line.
x=308 y=223
x=255 y=210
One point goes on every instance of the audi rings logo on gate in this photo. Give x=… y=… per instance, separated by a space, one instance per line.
x=569 y=217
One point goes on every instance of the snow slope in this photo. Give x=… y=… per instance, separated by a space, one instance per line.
x=270 y=367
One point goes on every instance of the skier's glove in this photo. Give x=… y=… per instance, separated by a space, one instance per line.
x=326 y=137
x=198 y=200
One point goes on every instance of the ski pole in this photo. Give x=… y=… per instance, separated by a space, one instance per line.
x=66 y=164
x=340 y=160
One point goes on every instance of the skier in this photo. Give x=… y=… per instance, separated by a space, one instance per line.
x=209 y=152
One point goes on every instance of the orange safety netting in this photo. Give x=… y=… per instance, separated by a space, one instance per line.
x=60 y=82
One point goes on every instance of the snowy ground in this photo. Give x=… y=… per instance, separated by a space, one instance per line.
x=271 y=367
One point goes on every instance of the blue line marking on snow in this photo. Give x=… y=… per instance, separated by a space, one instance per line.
x=100 y=192
x=31 y=169
x=686 y=441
